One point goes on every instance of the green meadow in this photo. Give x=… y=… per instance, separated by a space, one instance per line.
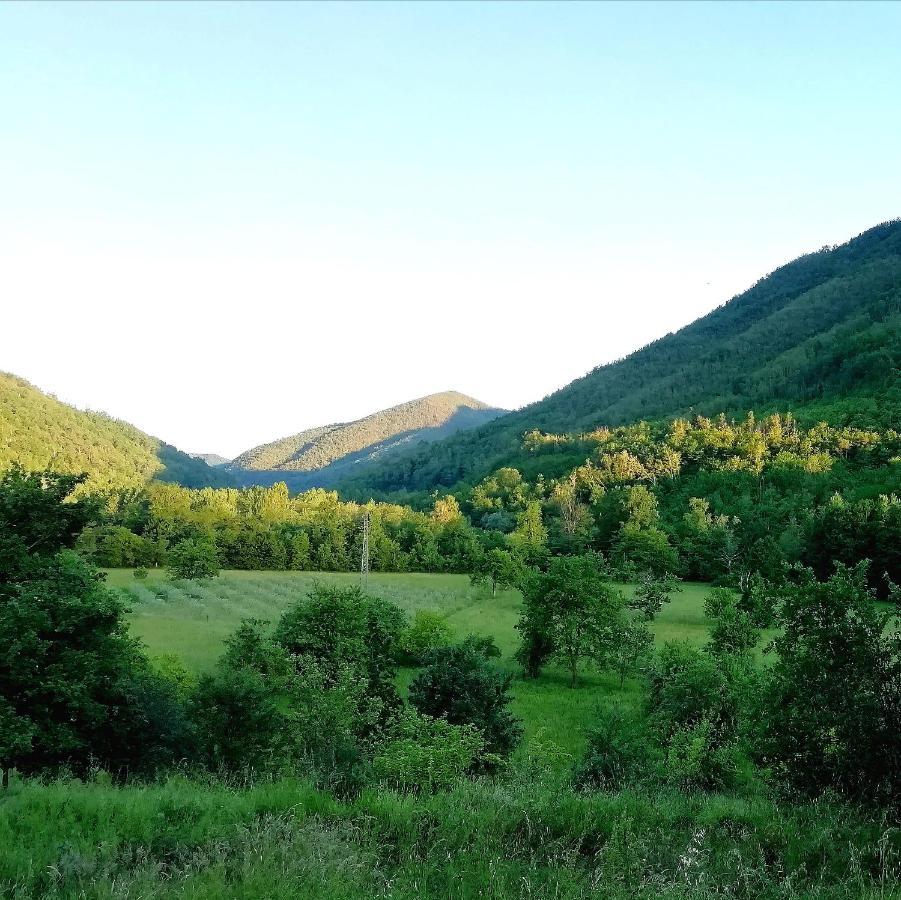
x=192 y=619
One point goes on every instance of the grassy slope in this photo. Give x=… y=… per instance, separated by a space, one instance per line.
x=38 y=432
x=191 y=620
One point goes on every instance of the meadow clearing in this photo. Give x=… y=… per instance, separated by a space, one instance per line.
x=192 y=619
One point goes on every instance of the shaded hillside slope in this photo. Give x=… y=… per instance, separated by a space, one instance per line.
x=820 y=335
x=319 y=456
x=38 y=431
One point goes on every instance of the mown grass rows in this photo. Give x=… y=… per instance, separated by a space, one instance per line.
x=192 y=619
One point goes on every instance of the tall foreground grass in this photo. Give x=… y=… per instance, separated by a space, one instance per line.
x=524 y=836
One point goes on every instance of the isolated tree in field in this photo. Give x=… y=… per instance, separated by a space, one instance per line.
x=500 y=568
x=571 y=612
x=193 y=559
x=651 y=593
x=631 y=648
x=462 y=687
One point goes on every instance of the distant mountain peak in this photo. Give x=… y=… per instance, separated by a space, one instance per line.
x=341 y=444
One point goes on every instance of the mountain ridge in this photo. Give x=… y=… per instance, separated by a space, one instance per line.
x=815 y=333
x=330 y=449
x=38 y=431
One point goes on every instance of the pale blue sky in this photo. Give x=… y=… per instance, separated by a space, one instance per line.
x=227 y=222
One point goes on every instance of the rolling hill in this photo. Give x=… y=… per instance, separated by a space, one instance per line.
x=320 y=456
x=820 y=335
x=38 y=431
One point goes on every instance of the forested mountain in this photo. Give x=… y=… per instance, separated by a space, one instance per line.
x=38 y=432
x=318 y=456
x=212 y=459
x=820 y=336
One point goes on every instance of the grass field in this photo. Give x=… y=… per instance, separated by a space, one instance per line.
x=191 y=620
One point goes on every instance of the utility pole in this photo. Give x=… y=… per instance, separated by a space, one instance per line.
x=364 y=556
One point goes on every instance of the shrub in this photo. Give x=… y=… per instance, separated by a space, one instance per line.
x=697 y=759
x=239 y=723
x=140 y=573
x=341 y=627
x=733 y=630
x=461 y=686
x=618 y=751
x=427 y=754
x=427 y=631
x=830 y=713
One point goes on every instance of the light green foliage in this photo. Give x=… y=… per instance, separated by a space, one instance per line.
x=697 y=758
x=529 y=538
x=500 y=568
x=40 y=432
x=169 y=667
x=283 y=839
x=427 y=754
x=427 y=631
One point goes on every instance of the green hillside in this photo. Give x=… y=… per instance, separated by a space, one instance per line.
x=38 y=431
x=820 y=336
x=319 y=456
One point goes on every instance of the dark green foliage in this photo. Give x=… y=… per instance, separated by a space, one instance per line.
x=238 y=720
x=733 y=631
x=619 y=751
x=696 y=704
x=73 y=686
x=820 y=335
x=36 y=522
x=651 y=593
x=460 y=685
x=830 y=711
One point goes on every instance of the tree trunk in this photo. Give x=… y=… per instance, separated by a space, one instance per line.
x=573 y=667
x=5 y=777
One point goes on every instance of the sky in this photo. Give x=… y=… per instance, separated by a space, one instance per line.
x=225 y=223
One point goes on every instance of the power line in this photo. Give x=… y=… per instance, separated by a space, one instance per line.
x=364 y=555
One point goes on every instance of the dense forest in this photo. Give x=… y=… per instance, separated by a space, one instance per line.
x=820 y=336
x=707 y=499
